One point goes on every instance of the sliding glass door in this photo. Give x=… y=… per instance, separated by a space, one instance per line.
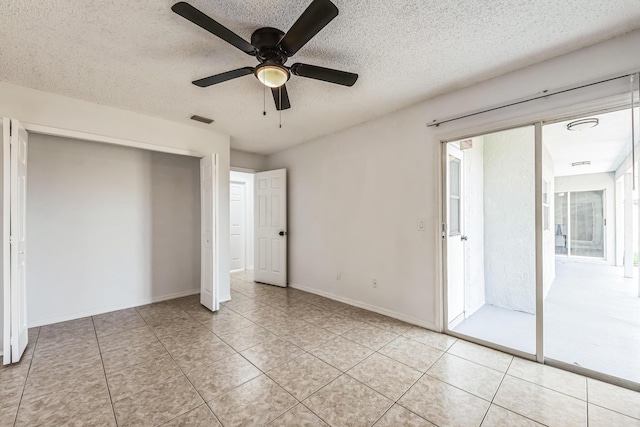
x=592 y=296
x=541 y=236
x=490 y=239
x=580 y=223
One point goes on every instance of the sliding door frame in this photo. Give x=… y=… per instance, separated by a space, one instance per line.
x=576 y=112
x=538 y=356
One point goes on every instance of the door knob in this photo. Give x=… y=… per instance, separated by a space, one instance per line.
x=283 y=233
x=464 y=238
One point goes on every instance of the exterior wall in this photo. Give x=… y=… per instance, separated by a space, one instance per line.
x=509 y=219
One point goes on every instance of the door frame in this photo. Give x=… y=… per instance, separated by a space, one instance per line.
x=605 y=241
x=444 y=315
x=458 y=153
x=85 y=136
x=245 y=238
x=249 y=214
x=575 y=111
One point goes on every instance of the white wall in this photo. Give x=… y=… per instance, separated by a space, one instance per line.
x=247 y=179
x=596 y=181
x=251 y=161
x=355 y=195
x=509 y=219
x=473 y=201
x=109 y=227
x=61 y=112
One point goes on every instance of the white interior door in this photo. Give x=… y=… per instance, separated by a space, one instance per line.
x=455 y=234
x=270 y=207
x=208 y=288
x=238 y=222
x=16 y=332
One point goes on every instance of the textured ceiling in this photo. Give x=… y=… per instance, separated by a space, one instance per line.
x=140 y=56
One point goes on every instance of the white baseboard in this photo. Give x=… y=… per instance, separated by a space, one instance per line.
x=375 y=309
x=94 y=312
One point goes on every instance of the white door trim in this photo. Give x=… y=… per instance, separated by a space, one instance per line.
x=6 y=232
x=48 y=130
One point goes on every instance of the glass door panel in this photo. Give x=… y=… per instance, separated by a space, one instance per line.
x=591 y=293
x=490 y=238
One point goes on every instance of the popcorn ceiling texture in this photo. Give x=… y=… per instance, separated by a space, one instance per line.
x=142 y=57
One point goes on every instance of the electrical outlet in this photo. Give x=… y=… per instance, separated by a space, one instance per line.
x=374 y=283
x=339 y=276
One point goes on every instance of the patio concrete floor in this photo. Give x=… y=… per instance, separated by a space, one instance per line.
x=592 y=319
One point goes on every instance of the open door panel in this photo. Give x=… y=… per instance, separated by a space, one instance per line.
x=16 y=332
x=270 y=216
x=208 y=286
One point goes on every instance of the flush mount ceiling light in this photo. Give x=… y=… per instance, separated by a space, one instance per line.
x=583 y=124
x=271 y=75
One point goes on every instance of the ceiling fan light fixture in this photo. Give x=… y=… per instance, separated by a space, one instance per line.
x=583 y=124
x=272 y=75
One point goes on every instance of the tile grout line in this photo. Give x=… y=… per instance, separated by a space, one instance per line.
x=421 y=376
x=329 y=313
x=179 y=367
x=26 y=378
x=265 y=373
x=300 y=402
x=104 y=371
x=343 y=373
x=498 y=389
x=546 y=387
x=495 y=393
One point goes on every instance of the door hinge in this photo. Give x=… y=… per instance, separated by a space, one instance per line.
x=444 y=231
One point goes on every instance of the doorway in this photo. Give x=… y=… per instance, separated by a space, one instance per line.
x=241 y=221
x=592 y=306
x=541 y=242
x=127 y=210
x=490 y=239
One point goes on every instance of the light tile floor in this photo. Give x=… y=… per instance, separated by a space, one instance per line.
x=283 y=357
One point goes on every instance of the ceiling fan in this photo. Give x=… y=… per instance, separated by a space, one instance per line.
x=272 y=48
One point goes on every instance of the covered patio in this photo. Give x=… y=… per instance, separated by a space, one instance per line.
x=592 y=319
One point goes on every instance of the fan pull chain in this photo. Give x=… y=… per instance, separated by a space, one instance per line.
x=264 y=100
x=280 y=104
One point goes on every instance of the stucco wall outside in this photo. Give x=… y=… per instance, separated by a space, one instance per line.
x=509 y=217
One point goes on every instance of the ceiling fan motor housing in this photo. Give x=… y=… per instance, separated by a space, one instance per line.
x=266 y=42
